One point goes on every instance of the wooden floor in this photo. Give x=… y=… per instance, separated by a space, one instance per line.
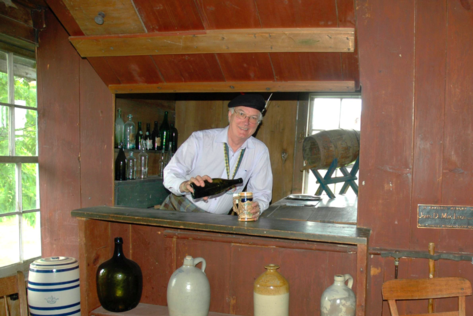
x=341 y=210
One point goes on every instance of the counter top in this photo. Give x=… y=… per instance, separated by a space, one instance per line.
x=264 y=227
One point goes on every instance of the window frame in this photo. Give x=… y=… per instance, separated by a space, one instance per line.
x=310 y=130
x=12 y=158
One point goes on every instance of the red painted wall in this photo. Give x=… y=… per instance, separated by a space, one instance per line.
x=416 y=73
x=75 y=115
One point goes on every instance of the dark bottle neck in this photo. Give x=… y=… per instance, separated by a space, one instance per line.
x=118 y=252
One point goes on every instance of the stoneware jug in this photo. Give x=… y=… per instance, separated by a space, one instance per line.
x=271 y=293
x=189 y=290
x=338 y=299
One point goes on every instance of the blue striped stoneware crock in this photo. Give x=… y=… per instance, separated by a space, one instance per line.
x=53 y=287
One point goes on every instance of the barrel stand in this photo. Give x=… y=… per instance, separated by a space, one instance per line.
x=348 y=177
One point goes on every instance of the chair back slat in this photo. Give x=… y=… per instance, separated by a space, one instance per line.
x=15 y=284
x=425 y=288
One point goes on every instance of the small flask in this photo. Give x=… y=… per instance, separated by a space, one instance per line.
x=215 y=187
x=119 y=129
x=130 y=133
x=131 y=167
x=120 y=165
x=139 y=137
x=143 y=158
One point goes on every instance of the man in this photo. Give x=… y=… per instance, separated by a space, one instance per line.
x=204 y=154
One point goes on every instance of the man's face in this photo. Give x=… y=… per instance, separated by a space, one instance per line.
x=242 y=122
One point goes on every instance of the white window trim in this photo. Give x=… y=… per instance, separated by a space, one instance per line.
x=22 y=265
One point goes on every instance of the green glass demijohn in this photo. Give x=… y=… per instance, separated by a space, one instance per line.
x=119 y=281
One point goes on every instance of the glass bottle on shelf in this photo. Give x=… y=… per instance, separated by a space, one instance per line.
x=131 y=167
x=173 y=138
x=119 y=129
x=156 y=138
x=148 y=139
x=143 y=158
x=164 y=132
x=139 y=137
x=120 y=165
x=130 y=133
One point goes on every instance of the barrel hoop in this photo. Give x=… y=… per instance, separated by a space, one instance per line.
x=52 y=284
x=53 y=290
x=55 y=264
x=53 y=270
x=54 y=308
x=65 y=314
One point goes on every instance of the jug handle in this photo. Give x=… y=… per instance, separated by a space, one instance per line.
x=350 y=280
x=204 y=264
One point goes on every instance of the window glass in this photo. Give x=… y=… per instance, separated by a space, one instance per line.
x=25 y=132
x=7 y=188
x=29 y=186
x=350 y=114
x=3 y=78
x=31 y=235
x=25 y=81
x=9 y=239
x=326 y=113
x=4 y=130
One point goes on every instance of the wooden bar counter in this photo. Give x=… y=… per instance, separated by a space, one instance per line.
x=309 y=254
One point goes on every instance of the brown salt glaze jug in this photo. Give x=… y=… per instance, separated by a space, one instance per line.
x=271 y=293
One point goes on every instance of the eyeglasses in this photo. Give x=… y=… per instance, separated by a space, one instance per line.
x=242 y=116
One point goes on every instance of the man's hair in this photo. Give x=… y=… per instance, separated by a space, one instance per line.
x=260 y=119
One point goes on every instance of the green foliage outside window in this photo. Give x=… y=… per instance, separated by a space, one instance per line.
x=25 y=145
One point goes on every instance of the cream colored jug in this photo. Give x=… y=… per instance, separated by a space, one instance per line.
x=338 y=299
x=189 y=290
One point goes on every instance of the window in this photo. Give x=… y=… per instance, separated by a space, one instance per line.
x=328 y=112
x=20 y=234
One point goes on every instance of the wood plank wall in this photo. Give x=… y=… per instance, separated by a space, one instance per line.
x=416 y=73
x=277 y=131
x=75 y=115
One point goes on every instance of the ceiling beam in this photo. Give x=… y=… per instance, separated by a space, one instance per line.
x=218 y=41
x=250 y=86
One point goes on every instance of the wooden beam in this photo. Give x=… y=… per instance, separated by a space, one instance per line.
x=250 y=86
x=218 y=41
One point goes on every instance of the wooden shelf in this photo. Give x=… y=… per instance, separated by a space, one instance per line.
x=143 y=310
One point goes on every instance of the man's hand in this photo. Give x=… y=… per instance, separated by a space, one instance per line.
x=255 y=210
x=199 y=181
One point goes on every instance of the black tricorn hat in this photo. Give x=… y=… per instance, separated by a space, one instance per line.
x=254 y=101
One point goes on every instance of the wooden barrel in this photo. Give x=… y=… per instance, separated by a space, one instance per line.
x=319 y=150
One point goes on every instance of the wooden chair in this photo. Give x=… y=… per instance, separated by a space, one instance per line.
x=418 y=289
x=12 y=285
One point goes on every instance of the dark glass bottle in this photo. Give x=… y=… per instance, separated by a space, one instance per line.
x=119 y=281
x=173 y=138
x=155 y=136
x=215 y=187
x=164 y=132
x=139 y=137
x=120 y=165
x=147 y=138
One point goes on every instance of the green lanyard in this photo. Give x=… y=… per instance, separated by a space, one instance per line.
x=227 y=164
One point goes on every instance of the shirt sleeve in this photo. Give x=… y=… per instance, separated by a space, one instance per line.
x=261 y=181
x=180 y=166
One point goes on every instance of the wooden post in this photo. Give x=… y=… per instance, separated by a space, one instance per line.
x=431 y=273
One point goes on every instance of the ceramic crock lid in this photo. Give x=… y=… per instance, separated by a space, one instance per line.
x=53 y=262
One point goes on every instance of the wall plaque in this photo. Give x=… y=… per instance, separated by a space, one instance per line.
x=444 y=216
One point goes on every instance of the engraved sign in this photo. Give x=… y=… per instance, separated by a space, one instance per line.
x=444 y=216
